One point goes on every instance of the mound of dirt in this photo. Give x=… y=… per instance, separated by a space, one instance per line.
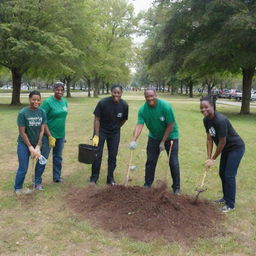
x=147 y=214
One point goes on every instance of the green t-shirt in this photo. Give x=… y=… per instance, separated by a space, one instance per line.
x=157 y=118
x=32 y=120
x=56 y=111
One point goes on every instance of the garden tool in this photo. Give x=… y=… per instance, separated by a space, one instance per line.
x=169 y=156
x=130 y=168
x=33 y=172
x=201 y=189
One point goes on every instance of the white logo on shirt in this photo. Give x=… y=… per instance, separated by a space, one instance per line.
x=212 y=131
x=119 y=115
x=65 y=109
x=162 y=118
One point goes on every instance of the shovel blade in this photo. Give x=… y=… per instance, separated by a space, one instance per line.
x=132 y=167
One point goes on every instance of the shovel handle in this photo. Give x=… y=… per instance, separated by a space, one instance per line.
x=128 y=169
x=204 y=176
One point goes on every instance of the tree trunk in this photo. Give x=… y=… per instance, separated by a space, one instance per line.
x=248 y=74
x=190 y=85
x=96 y=83
x=181 y=88
x=107 y=85
x=89 y=87
x=16 y=84
x=68 y=80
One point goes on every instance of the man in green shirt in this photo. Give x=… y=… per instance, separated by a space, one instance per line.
x=159 y=118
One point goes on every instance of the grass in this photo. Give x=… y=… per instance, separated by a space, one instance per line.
x=43 y=224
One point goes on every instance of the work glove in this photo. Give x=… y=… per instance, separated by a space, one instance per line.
x=161 y=146
x=37 y=151
x=32 y=152
x=95 y=141
x=52 y=141
x=133 y=145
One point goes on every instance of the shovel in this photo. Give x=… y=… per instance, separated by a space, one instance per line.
x=201 y=189
x=130 y=168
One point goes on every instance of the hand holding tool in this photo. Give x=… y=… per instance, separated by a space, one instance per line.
x=133 y=145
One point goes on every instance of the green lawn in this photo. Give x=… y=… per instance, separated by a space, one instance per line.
x=44 y=224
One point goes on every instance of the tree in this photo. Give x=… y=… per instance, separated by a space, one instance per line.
x=30 y=36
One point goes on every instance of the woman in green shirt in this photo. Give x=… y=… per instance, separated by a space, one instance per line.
x=31 y=121
x=56 y=109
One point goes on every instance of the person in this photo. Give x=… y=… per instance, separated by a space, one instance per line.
x=110 y=115
x=31 y=122
x=56 y=108
x=159 y=118
x=229 y=146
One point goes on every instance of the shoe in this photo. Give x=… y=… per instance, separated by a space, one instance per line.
x=92 y=183
x=59 y=181
x=146 y=186
x=176 y=191
x=18 y=192
x=226 y=208
x=111 y=182
x=39 y=187
x=220 y=201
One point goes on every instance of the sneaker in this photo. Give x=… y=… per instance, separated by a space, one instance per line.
x=92 y=183
x=176 y=191
x=226 y=208
x=18 y=192
x=59 y=180
x=39 y=187
x=111 y=182
x=146 y=185
x=220 y=201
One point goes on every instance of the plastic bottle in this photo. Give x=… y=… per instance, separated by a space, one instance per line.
x=42 y=160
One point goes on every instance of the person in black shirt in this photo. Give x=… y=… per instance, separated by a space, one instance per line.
x=110 y=115
x=229 y=145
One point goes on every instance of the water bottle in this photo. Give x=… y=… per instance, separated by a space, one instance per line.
x=42 y=160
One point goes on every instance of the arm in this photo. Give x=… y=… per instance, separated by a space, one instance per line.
x=209 y=146
x=96 y=125
x=24 y=136
x=167 y=131
x=137 y=131
x=39 y=143
x=47 y=131
x=221 y=145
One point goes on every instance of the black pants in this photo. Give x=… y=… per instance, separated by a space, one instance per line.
x=229 y=163
x=153 y=152
x=112 y=144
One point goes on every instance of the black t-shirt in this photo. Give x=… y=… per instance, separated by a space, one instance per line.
x=111 y=114
x=219 y=127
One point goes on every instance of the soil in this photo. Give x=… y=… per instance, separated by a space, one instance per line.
x=147 y=214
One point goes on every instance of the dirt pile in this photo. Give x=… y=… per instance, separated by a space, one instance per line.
x=147 y=214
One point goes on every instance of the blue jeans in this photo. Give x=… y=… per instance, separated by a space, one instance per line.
x=153 y=152
x=56 y=159
x=229 y=163
x=23 y=158
x=112 y=144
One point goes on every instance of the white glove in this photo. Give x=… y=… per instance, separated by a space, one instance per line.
x=161 y=146
x=133 y=145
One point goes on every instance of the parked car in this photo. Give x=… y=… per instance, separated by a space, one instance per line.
x=253 y=96
x=237 y=95
x=224 y=93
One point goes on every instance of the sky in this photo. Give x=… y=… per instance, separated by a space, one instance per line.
x=140 y=5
